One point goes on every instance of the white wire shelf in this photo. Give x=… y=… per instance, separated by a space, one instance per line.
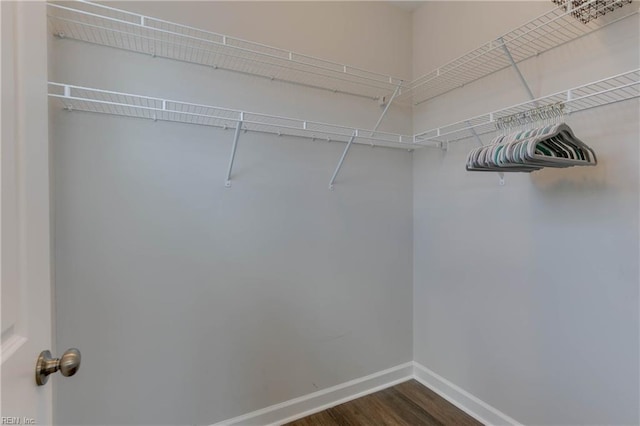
x=104 y=25
x=125 y=104
x=610 y=90
x=543 y=33
x=618 y=88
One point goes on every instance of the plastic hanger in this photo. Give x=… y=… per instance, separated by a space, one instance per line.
x=550 y=145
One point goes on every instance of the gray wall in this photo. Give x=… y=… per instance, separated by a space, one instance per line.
x=193 y=303
x=526 y=295
x=234 y=299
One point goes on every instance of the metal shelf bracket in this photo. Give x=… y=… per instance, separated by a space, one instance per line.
x=355 y=134
x=524 y=84
x=515 y=67
x=236 y=136
x=344 y=154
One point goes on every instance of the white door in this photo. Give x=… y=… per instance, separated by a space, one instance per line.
x=24 y=206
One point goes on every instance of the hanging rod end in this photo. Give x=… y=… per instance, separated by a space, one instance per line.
x=331 y=187
x=227 y=184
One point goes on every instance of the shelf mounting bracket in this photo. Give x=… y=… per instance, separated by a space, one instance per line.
x=474 y=133
x=522 y=80
x=344 y=154
x=236 y=136
x=355 y=133
x=516 y=69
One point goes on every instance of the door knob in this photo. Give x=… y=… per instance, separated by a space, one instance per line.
x=68 y=365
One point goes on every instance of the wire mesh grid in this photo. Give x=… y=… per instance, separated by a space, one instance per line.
x=107 y=26
x=125 y=104
x=585 y=15
x=611 y=90
x=536 y=36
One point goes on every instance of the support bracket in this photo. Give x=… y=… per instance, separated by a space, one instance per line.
x=516 y=69
x=236 y=136
x=344 y=155
x=474 y=133
x=522 y=80
x=355 y=134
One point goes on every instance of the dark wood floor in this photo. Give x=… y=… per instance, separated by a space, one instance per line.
x=409 y=404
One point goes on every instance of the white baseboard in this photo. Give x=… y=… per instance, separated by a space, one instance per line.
x=303 y=406
x=462 y=399
x=306 y=405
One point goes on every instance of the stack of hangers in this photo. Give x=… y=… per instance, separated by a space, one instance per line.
x=553 y=145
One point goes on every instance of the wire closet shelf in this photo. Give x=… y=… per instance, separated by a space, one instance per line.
x=552 y=29
x=618 y=88
x=108 y=26
x=104 y=25
x=88 y=99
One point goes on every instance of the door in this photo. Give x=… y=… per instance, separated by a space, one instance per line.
x=24 y=207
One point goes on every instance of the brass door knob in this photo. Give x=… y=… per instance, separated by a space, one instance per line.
x=68 y=365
